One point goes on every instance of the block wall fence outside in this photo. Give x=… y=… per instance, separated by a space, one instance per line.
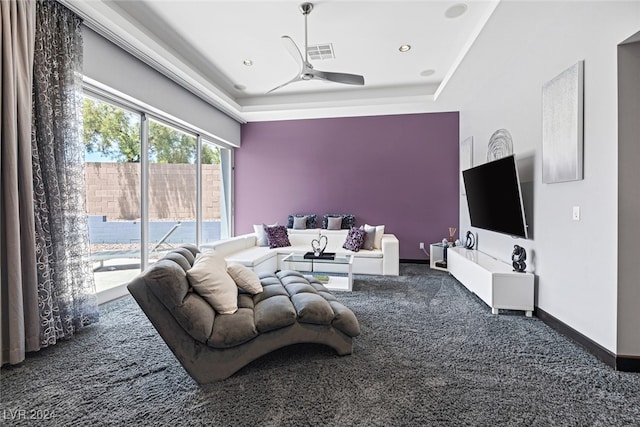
x=113 y=190
x=118 y=232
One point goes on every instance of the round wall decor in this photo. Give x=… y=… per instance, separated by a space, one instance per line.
x=500 y=145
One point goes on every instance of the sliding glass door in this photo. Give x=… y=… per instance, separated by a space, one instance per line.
x=151 y=186
x=212 y=192
x=112 y=173
x=172 y=195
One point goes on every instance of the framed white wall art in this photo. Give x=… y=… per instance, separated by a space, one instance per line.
x=562 y=126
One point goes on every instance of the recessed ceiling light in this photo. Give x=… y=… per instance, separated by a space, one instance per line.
x=456 y=10
x=405 y=48
x=248 y=62
x=239 y=87
x=427 y=73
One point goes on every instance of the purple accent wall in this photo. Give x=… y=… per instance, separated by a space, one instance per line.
x=400 y=171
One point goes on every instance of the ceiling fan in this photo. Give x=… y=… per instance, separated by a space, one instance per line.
x=307 y=72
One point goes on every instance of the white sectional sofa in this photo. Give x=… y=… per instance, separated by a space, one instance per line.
x=262 y=259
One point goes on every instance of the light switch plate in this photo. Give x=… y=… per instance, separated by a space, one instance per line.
x=576 y=213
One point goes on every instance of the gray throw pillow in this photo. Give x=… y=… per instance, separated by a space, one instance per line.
x=312 y=219
x=369 y=238
x=300 y=222
x=334 y=223
x=348 y=220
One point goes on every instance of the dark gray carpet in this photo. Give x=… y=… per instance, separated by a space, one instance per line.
x=430 y=354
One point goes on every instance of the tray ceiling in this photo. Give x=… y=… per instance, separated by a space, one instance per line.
x=203 y=45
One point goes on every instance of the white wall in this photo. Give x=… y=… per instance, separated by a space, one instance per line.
x=499 y=85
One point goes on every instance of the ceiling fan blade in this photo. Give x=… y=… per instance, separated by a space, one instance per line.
x=293 y=80
x=293 y=50
x=307 y=71
x=345 y=78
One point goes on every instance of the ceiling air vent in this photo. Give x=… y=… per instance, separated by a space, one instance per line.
x=320 y=51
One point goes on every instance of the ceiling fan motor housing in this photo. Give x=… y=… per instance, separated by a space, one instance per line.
x=306 y=8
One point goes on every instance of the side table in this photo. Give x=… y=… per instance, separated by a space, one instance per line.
x=436 y=255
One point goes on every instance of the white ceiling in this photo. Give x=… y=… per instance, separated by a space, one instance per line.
x=202 y=45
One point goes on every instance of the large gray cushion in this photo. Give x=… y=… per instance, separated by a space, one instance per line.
x=196 y=317
x=312 y=308
x=230 y=330
x=270 y=290
x=187 y=252
x=168 y=282
x=179 y=259
x=344 y=319
x=274 y=313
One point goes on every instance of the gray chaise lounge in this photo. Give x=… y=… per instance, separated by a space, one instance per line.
x=291 y=309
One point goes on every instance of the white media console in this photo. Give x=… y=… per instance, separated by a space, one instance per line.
x=492 y=280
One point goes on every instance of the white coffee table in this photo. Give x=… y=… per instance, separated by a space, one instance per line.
x=324 y=269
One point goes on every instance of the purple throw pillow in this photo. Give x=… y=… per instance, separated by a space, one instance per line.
x=277 y=236
x=355 y=239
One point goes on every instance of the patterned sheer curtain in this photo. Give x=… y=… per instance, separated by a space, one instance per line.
x=47 y=285
x=66 y=290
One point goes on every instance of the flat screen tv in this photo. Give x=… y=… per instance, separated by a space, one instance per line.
x=494 y=197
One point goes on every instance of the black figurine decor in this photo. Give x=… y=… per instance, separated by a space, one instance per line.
x=518 y=258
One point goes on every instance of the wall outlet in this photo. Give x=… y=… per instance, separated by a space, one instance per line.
x=422 y=245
